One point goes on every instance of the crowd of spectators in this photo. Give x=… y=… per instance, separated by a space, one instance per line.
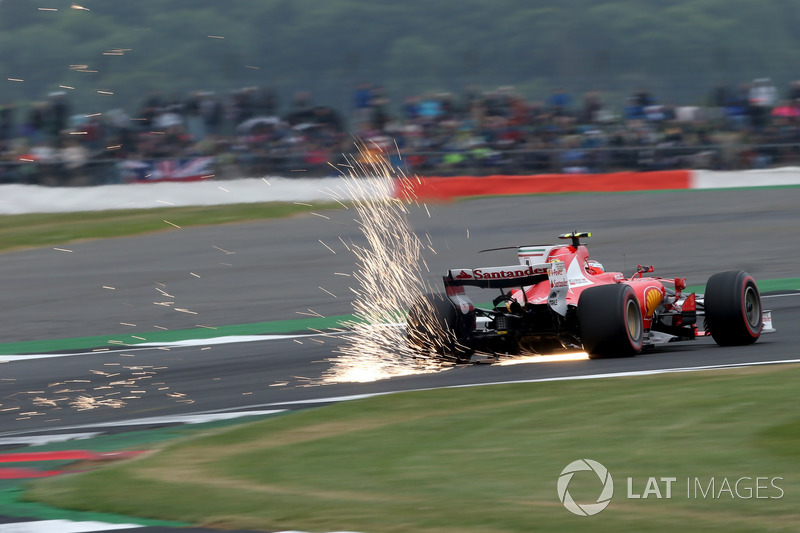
x=249 y=133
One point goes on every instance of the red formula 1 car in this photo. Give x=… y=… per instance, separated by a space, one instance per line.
x=558 y=298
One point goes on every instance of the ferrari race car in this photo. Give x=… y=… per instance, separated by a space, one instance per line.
x=557 y=298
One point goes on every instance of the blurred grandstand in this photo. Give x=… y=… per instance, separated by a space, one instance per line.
x=247 y=134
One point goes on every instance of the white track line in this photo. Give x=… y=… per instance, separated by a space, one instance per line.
x=40 y=440
x=195 y=418
x=632 y=373
x=62 y=526
x=231 y=339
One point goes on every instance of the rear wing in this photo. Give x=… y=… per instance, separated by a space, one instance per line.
x=498 y=277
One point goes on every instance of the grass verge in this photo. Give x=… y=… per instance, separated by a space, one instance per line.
x=302 y=326
x=33 y=230
x=482 y=459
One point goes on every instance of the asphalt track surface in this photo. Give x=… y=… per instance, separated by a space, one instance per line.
x=276 y=270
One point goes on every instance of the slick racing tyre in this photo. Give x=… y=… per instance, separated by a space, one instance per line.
x=436 y=326
x=610 y=321
x=732 y=308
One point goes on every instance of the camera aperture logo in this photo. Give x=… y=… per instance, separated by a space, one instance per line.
x=585 y=509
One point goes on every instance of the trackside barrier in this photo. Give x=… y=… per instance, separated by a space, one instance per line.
x=18 y=198
x=463 y=186
x=775 y=177
x=449 y=188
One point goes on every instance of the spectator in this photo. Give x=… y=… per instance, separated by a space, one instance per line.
x=786 y=109
x=793 y=95
x=737 y=107
x=266 y=102
x=301 y=111
x=33 y=128
x=6 y=122
x=73 y=156
x=429 y=108
x=212 y=110
x=362 y=102
x=328 y=118
x=92 y=134
x=559 y=102
x=379 y=115
x=57 y=113
x=638 y=103
x=195 y=123
x=151 y=107
x=762 y=97
x=592 y=108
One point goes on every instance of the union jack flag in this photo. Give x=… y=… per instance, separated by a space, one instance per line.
x=183 y=169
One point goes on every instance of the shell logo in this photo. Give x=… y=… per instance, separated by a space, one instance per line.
x=652 y=297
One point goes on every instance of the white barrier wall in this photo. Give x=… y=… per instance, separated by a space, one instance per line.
x=19 y=199
x=711 y=179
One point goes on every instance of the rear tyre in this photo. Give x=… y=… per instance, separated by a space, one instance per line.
x=610 y=321
x=733 y=308
x=435 y=325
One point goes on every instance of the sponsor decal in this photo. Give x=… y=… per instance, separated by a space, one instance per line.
x=501 y=273
x=464 y=275
x=553 y=301
x=652 y=297
x=531 y=252
x=575 y=275
x=558 y=274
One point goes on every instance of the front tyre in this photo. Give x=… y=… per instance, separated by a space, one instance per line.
x=435 y=325
x=733 y=308
x=610 y=321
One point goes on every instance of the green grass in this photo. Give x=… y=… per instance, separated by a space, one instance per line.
x=34 y=230
x=301 y=326
x=483 y=459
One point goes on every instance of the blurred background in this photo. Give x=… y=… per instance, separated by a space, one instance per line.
x=466 y=86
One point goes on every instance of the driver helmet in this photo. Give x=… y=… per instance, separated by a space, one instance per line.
x=594 y=267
